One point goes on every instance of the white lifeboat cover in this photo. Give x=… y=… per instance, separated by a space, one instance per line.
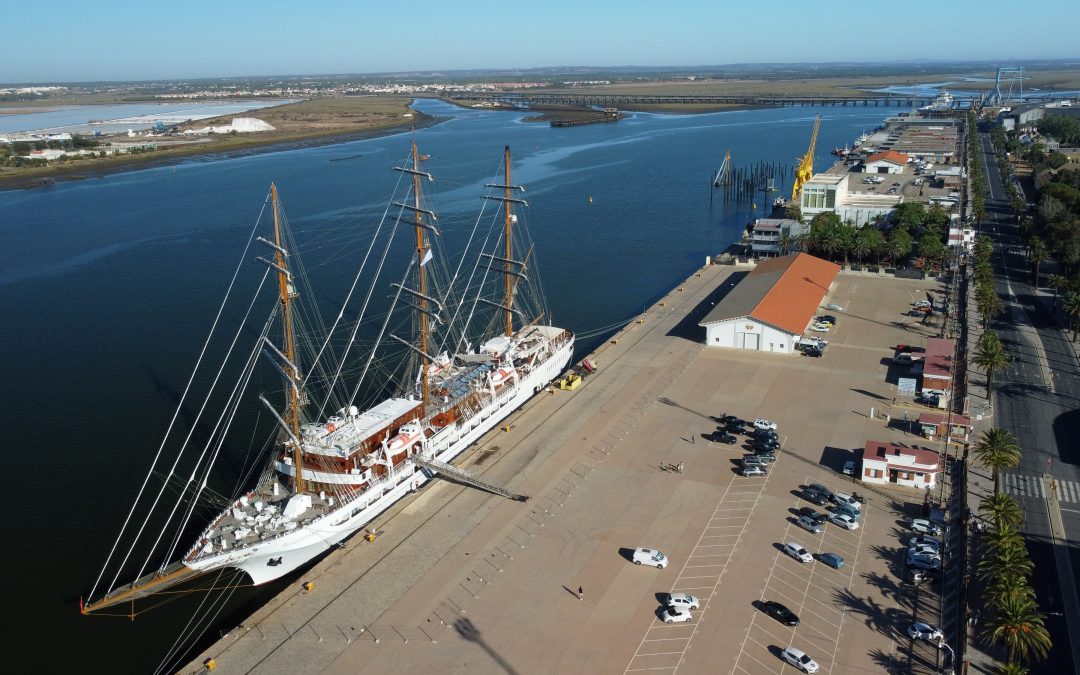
x=496 y=345
x=296 y=506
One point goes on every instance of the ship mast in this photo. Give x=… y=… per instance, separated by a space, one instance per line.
x=425 y=386
x=509 y=218
x=285 y=296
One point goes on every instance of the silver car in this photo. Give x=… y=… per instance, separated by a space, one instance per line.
x=799 y=659
x=809 y=524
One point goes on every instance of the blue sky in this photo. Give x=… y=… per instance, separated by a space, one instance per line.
x=68 y=40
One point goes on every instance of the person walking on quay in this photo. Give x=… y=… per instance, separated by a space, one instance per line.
x=580 y=592
x=680 y=467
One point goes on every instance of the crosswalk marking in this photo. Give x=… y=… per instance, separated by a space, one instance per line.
x=1030 y=485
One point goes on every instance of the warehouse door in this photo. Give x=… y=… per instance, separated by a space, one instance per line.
x=750 y=341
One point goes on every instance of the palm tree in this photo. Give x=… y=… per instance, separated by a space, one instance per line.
x=997 y=450
x=990 y=355
x=1003 y=511
x=1057 y=282
x=793 y=211
x=1006 y=588
x=988 y=303
x=1072 y=309
x=1019 y=626
x=1037 y=255
x=999 y=539
x=1011 y=560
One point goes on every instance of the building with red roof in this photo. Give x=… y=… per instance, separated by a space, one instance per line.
x=889 y=161
x=938 y=425
x=771 y=307
x=885 y=463
x=938 y=367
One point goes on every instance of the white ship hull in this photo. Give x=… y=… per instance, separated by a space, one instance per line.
x=275 y=557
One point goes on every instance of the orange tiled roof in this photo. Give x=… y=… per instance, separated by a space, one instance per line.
x=889 y=155
x=794 y=298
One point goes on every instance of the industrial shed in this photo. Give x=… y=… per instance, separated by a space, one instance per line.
x=771 y=307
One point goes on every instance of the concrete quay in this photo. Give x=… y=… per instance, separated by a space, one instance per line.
x=460 y=581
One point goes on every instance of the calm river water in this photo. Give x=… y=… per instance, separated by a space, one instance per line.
x=108 y=287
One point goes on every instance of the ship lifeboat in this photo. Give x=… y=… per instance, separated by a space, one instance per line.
x=502 y=375
x=409 y=434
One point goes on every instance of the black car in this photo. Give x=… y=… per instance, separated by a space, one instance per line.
x=816 y=516
x=734 y=428
x=763 y=444
x=781 y=613
x=764 y=433
x=731 y=420
x=721 y=436
x=815 y=497
x=827 y=318
x=813 y=350
x=765 y=455
x=820 y=489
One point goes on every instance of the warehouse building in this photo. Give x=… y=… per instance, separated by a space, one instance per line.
x=771 y=307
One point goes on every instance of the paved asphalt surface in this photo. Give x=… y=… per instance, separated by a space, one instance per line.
x=1038 y=400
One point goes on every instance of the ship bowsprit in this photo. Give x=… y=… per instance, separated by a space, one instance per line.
x=154 y=582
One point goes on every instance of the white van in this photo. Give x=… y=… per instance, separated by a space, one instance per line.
x=648 y=556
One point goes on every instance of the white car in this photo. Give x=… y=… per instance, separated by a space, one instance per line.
x=844 y=520
x=764 y=424
x=675 y=615
x=753 y=470
x=820 y=327
x=847 y=500
x=923 y=526
x=649 y=556
x=925 y=549
x=923 y=631
x=923 y=539
x=798 y=552
x=683 y=600
x=799 y=659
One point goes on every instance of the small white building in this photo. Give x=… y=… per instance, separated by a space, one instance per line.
x=963 y=237
x=885 y=463
x=823 y=192
x=889 y=161
x=769 y=309
x=768 y=233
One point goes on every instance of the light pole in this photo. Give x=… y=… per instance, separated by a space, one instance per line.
x=952 y=657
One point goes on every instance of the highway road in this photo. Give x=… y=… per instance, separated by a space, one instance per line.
x=1037 y=398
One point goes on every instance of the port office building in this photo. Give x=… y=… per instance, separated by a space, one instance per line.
x=769 y=309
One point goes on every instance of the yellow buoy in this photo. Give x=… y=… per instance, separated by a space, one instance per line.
x=590 y=199
x=210 y=664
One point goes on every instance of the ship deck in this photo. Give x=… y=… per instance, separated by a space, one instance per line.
x=459 y=580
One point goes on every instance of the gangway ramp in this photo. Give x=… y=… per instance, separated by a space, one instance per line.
x=462 y=476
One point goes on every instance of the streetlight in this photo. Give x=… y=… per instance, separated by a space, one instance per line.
x=952 y=657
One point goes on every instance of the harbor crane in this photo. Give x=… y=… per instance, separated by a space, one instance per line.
x=805 y=170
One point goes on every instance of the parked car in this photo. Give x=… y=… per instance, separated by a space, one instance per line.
x=753 y=470
x=820 y=489
x=819 y=327
x=923 y=539
x=827 y=318
x=843 y=520
x=765 y=435
x=924 y=550
x=762 y=423
x=809 y=524
x=721 y=436
x=848 y=511
x=833 y=560
x=923 y=526
x=798 y=552
x=748 y=460
x=760 y=445
x=814 y=497
x=849 y=467
x=683 y=600
x=811 y=350
x=781 y=613
x=650 y=556
x=675 y=615
x=767 y=456
x=816 y=516
x=928 y=399
x=799 y=659
x=924 y=631
x=731 y=419
x=841 y=499
x=924 y=562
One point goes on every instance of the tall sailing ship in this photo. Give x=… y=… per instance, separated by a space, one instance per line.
x=333 y=467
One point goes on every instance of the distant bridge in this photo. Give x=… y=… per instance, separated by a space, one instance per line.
x=616 y=100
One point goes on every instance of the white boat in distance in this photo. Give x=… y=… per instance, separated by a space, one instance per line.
x=331 y=466
x=943 y=102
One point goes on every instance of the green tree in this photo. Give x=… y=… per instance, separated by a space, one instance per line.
x=1072 y=310
x=899 y=246
x=1037 y=255
x=1008 y=560
x=931 y=248
x=793 y=211
x=988 y=303
x=1019 y=627
x=1009 y=669
x=1057 y=282
x=909 y=215
x=937 y=218
x=1003 y=511
x=1009 y=587
x=997 y=450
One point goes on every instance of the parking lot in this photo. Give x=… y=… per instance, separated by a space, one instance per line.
x=464 y=581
